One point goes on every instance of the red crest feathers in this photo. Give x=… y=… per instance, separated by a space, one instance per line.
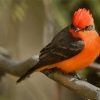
x=82 y=18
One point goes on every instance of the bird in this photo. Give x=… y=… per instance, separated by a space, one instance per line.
x=72 y=49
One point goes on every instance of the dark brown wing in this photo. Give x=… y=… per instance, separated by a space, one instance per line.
x=62 y=47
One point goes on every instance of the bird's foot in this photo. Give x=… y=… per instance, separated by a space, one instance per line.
x=76 y=75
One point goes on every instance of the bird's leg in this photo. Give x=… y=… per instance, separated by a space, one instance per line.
x=50 y=71
x=76 y=75
x=54 y=70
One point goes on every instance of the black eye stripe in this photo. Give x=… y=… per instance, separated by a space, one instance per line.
x=87 y=28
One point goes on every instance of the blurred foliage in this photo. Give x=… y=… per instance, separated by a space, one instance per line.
x=62 y=9
x=18 y=8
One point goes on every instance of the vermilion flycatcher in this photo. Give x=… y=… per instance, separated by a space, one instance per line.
x=72 y=49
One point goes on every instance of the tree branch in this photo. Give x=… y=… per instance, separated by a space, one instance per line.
x=80 y=87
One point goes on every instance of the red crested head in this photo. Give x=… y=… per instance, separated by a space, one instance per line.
x=82 y=18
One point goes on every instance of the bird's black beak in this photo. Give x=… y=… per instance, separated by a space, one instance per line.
x=77 y=29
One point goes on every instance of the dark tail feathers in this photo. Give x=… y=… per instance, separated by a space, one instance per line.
x=30 y=71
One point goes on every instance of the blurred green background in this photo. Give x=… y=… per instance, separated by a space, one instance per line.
x=25 y=27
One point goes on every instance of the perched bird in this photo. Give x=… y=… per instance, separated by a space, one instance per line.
x=72 y=49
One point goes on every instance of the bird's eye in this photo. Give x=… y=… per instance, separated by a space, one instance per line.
x=88 y=28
